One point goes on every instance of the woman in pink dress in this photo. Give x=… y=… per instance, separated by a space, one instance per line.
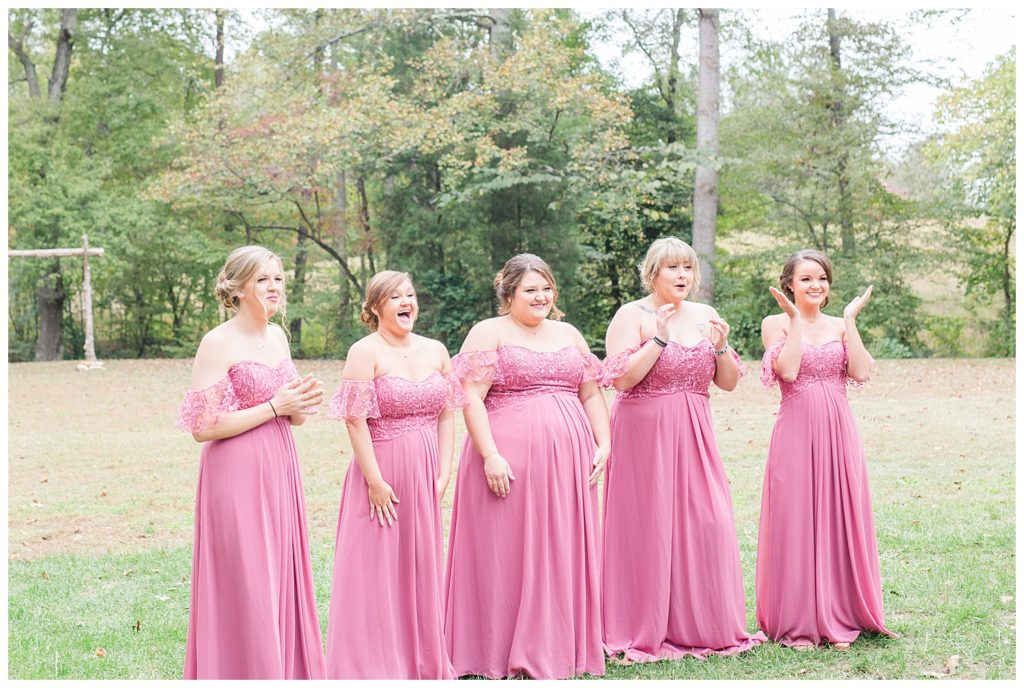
x=252 y=612
x=818 y=578
x=396 y=397
x=672 y=580
x=522 y=587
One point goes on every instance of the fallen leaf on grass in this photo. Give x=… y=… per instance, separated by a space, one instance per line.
x=44 y=575
x=802 y=671
x=933 y=674
x=951 y=663
x=163 y=598
x=103 y=494
x=137 y=626
x=76 y=537
x=45 y=480
x=129 y=572
x=100 y=652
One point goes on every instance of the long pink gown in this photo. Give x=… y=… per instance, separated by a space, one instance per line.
x=672 y=580
x=252 y=613
x=385 y=619
x=817 y=562
x=523 y=578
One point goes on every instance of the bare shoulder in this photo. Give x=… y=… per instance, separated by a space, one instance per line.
x=483 y=336
x=574 y=335
x=362 y=348
x=213 y=358
x=839 y=325
x=436 y=348
x=704 y=310
x=773 y=328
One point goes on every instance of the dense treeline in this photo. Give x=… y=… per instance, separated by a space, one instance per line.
x=442 y=141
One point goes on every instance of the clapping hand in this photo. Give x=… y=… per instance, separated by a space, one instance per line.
x=785 y=304
x=853 y=308
x=298 y=396
x=719 y=333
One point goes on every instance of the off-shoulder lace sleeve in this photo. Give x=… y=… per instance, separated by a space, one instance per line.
x=593 y=369
x=354 y=399
x=739 y=361
x=203 y=408
x=478 y=366
x=615 y=366
x=768 y=377
x=456 y=396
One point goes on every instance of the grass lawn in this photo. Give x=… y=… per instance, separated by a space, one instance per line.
x=101 y=488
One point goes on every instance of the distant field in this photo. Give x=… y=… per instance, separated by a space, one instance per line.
x=101 y=488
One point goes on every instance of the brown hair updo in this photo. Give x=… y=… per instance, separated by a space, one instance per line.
x=511 y=274
x=377 y=292
x=795 y=259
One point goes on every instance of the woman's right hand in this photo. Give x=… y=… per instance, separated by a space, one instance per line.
x=382 y=503
x=785 y=304
x=298 y=396
x=499 y=474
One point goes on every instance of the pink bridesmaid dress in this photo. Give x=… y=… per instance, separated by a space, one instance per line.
x=523 y=579
x=252 y=613
x=385 y=619
x=672 y=580
x=818 y=578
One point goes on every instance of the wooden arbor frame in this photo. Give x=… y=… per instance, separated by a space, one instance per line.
x=85 y=252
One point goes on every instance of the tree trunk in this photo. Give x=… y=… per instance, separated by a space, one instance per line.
x=672 y=99
x=62 y=60
x=18 y=46
x=340 y=236
x=298 y=292
x=500 y=33
x=838 y=109
x=50 y=297
x=705 y=190
x=364 y=221
x=218 y=67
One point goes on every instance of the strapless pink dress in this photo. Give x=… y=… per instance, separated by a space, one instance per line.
x=673 y=586
x=385 y=619
x=818 y=577
x=252 y=613
x=522 y=591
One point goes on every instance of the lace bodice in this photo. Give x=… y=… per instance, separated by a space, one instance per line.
x=393 y=405
x=247 y=384
x=679 y=368
x=819 y=364
x=517 y=374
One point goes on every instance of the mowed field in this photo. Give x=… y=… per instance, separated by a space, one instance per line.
x=101 y=489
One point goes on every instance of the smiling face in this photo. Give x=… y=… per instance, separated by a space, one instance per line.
x=397 y=312
x=264 y=292
x=810 y=284
x=533 y=298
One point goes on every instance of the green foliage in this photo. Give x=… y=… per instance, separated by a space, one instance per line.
x=404 y=139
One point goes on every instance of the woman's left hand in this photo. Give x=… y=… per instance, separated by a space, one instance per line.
x=853 y=308
x=719 y=333
x=442 y=485
x=600 y=460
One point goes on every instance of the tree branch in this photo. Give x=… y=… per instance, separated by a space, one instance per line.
x=18 y=46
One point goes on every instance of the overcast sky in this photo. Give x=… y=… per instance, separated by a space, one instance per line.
x=957 y=50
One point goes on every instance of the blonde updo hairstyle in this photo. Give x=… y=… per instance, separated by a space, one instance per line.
x=667 y=251
x=789 y=269
x=378 y=291
x=508 y=278
x=241 y=266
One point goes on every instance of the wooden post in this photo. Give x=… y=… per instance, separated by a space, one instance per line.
x=90 y=345
x=85 y=252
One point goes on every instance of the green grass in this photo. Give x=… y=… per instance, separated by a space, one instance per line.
x=101 y=490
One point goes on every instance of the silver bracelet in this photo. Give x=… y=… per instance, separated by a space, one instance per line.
x=724 y=349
